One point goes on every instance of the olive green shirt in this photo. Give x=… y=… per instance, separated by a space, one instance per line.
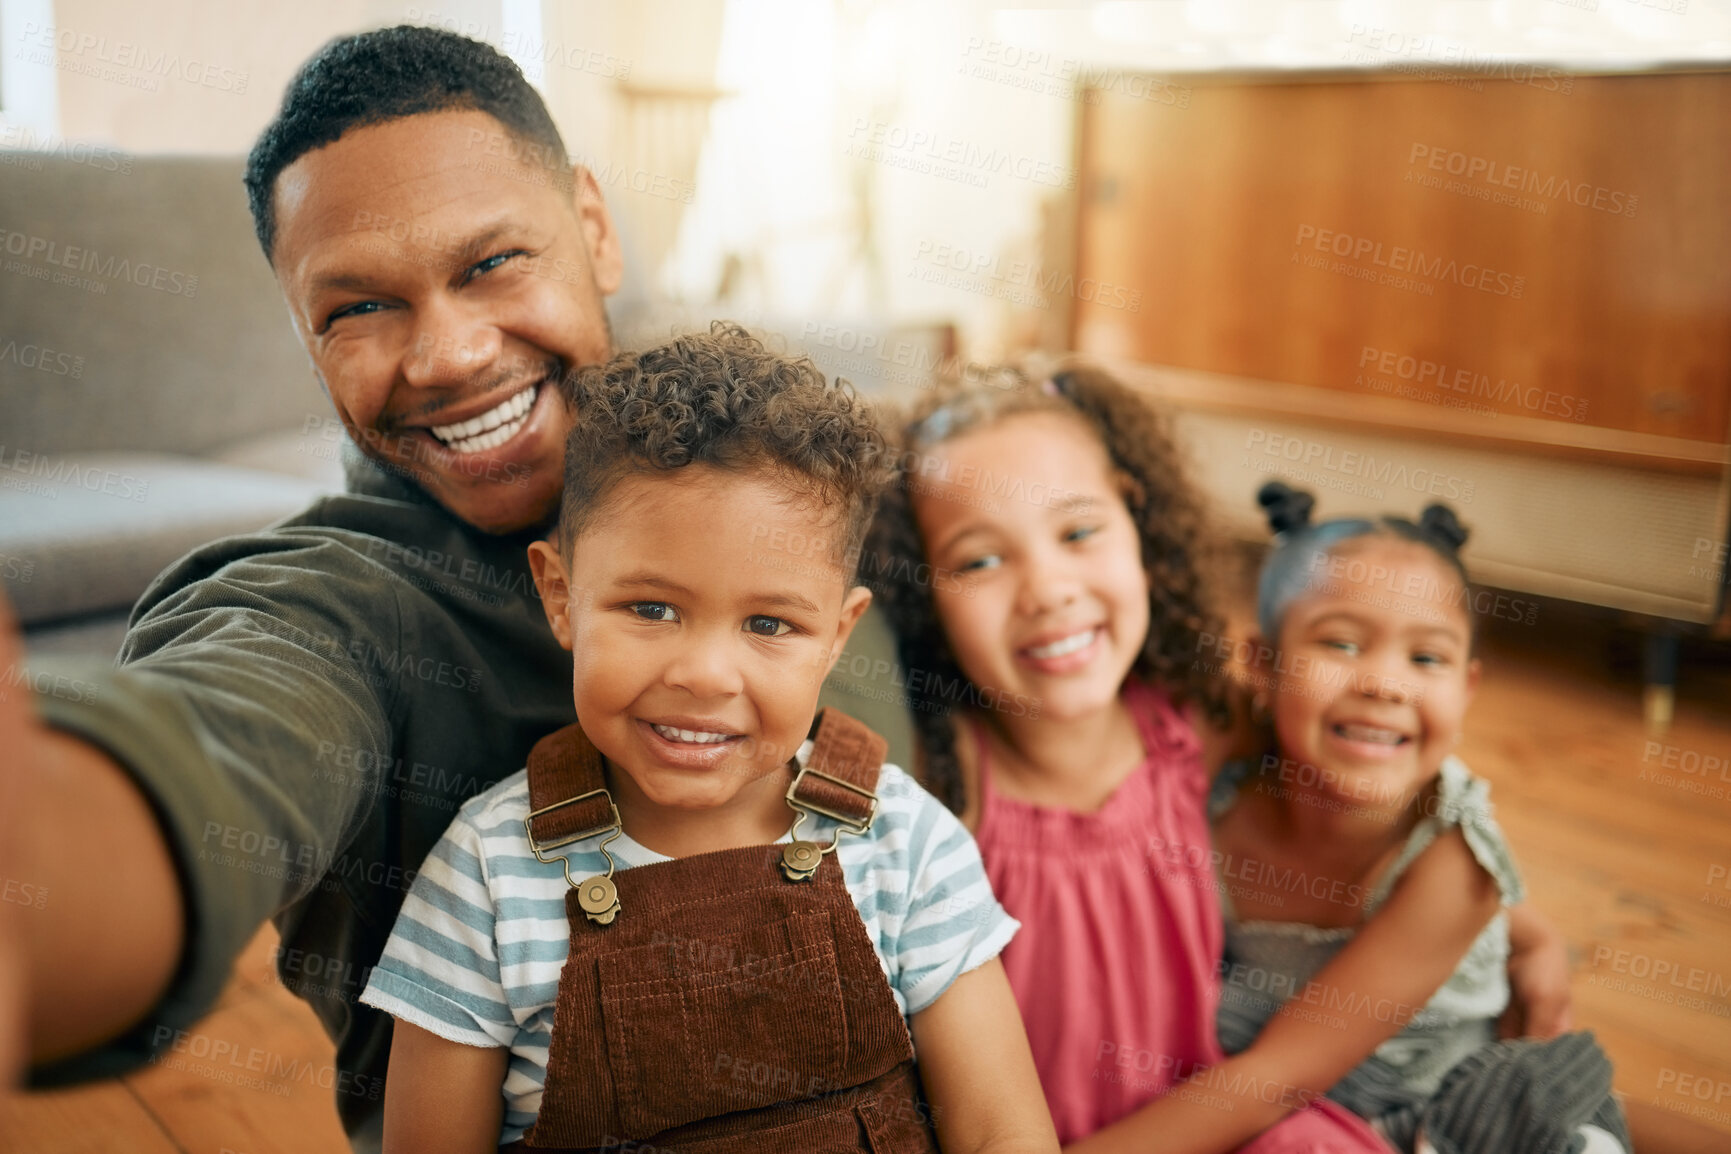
x=306 y=707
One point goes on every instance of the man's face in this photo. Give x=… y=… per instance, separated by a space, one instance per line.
x=442 y=285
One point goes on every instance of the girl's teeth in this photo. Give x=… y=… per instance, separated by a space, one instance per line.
x=672 y=734
x=493 y=427
x=1366 y=733
x=1063 y=645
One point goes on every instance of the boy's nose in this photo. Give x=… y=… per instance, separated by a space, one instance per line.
x=705 y=668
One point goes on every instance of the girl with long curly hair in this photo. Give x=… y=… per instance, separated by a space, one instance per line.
x=1056 y=644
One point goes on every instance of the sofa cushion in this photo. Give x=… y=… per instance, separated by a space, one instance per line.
x=82 y=533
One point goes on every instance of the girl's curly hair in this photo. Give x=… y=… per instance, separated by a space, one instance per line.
x=1168 y=513
x=722 y=398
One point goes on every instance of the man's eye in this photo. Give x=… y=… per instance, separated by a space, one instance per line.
x=765 y=626
x=483 y=267
x=654 y=611
x=989 y=561
x=358 y=309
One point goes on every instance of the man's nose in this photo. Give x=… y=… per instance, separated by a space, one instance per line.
x=450 y=345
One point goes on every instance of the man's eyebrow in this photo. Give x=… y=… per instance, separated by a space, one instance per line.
x=471 y=249
x=476 y=246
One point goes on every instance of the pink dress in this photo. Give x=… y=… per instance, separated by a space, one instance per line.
x=1116 y=967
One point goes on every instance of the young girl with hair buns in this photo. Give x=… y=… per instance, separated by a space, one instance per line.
x=1361 y=826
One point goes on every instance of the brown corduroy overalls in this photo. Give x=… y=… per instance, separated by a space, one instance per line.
x=732 y=1001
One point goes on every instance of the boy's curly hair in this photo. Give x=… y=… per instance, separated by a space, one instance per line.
x=1169 y=518
x=722 y=399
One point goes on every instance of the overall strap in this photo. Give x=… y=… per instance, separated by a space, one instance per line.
x=565 y=772
x=840 y=778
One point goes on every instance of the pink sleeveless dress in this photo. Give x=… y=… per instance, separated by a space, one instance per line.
x=1116 y=966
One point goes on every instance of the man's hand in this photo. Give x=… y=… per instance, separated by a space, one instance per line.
x=1539 y=996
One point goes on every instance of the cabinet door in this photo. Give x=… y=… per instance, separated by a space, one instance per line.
x=1496 y=242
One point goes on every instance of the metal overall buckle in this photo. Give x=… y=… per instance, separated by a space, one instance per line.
x=597 y=895
x=800 y=858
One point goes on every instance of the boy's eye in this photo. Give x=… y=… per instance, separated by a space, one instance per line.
x=1347 y=647
x=765 y=626
x=654 y=611
x=989 y=561
x=1429 y=659
x=1081 y=532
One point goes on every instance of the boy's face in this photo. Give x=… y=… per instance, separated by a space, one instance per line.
x=699 y=640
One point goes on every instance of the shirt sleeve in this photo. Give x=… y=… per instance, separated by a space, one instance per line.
x=229 y=681
x=953 y=922
x=440 y=968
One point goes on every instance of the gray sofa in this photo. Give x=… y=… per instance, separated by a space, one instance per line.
x=152 y=394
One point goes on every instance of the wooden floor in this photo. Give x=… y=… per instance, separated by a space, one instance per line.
x=1631 y=858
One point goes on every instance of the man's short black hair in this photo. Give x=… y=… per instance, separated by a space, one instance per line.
x=373 y=77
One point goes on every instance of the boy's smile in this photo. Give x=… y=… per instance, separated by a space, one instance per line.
x=698 y=654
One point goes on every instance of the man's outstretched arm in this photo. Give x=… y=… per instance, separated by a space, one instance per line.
x=166 y=807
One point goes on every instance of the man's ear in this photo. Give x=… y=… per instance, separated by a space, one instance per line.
x=554 y=587
x=853 y=607
x=600 y=238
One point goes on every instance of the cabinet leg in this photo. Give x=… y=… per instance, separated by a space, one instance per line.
x=1659 y=672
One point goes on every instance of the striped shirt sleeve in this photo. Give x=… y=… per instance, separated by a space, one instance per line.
x=948 y=921
x=440 y=968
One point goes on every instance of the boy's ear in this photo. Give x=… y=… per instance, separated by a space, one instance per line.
x=1474 y=668
x=853 y=607
x=555 y=589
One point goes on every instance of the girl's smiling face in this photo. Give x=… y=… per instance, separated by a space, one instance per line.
x=1049 y=599
x=1372 y=681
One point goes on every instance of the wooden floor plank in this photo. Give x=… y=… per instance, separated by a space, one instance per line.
x=87 y=1120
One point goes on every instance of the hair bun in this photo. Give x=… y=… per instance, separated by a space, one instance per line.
x=1286 y=508
x=1440 y=522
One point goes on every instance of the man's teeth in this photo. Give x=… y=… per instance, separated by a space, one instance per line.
x=1368 y=733
x=493 y=427
x=1063 y=645
x=697 y=735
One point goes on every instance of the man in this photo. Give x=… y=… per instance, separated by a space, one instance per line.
x=297 y=713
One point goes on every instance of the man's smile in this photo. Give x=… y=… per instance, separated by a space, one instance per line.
x=491 y=428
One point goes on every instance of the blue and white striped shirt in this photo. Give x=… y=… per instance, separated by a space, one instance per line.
x=476 y=952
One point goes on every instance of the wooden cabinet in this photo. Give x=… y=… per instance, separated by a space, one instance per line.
x=1521 y=266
